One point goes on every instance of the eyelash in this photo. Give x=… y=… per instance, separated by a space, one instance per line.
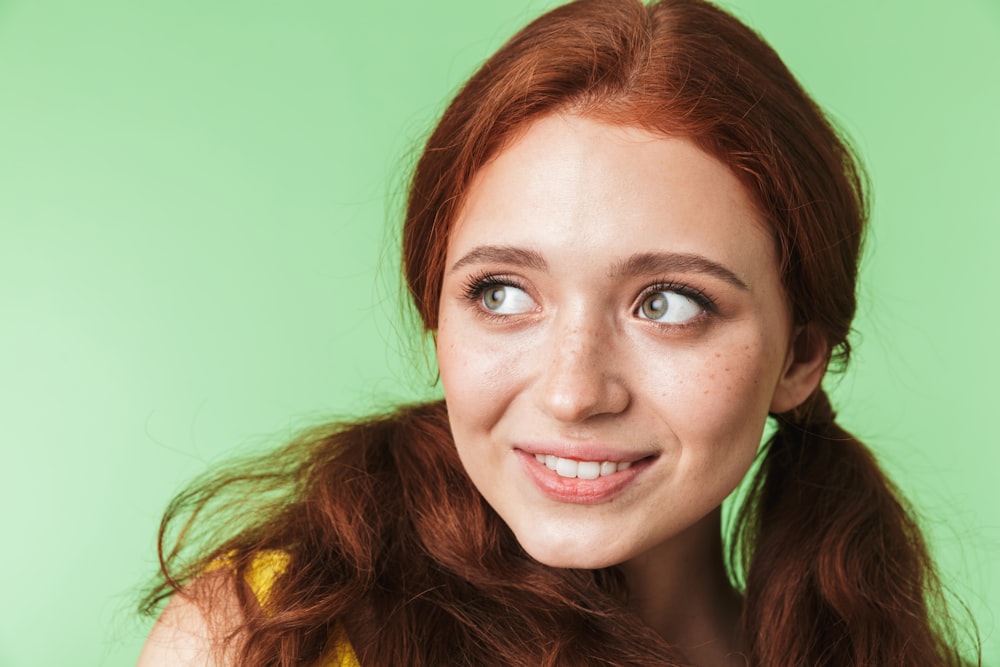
x=478 y=283
x=688 y=291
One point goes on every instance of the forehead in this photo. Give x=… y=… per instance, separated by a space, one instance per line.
x=578 y=188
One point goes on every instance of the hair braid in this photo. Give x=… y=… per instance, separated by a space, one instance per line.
x=836 y=571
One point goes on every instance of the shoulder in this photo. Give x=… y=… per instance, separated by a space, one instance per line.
x=200 y=626
x=197 y=622
x=192 y=627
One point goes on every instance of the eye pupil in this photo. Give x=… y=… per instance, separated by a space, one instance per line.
x=494 y=297
x=654 y=306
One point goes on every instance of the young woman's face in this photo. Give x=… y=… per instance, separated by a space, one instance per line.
x=612 y=334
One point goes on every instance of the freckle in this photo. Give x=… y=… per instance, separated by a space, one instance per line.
x=728 y=369
x=718 y=354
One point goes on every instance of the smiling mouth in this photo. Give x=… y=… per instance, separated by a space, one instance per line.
x=584 y=482
x=573 y=469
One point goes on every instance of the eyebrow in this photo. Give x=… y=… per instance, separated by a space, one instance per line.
x=494 y=254
x=639 y=264
x=651 y=263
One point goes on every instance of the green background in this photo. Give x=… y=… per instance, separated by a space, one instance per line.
x=197 y=205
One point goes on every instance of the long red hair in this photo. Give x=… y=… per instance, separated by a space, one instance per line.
x=388 y=537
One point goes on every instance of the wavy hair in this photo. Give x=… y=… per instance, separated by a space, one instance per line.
x=387 y=536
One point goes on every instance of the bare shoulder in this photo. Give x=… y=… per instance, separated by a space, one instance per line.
x=188 y=632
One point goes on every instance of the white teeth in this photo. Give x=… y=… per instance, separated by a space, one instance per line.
x=581 y=469
x=566 y=467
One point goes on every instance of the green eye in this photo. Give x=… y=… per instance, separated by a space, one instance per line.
x=668 y=307
x=654 y=306
x=506 y=300
x=493 y=297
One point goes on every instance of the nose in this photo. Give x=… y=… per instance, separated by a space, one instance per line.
x=581 y=377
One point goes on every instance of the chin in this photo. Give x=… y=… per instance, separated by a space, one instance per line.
x=571 y=554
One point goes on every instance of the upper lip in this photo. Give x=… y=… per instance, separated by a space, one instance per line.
x=584 y=451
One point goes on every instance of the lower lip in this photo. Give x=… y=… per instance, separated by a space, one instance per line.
x=576 y=490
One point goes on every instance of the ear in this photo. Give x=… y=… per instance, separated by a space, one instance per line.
x=808 y=356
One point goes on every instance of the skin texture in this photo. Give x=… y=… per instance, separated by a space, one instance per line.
x=186 y=633
x=544 y=346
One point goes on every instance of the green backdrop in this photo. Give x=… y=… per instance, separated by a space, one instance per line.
x=197 y=205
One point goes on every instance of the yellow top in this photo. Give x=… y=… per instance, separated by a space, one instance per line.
x=267 y=566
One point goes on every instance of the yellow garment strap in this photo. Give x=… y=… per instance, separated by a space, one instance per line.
x=265 y=569
x=340 y=653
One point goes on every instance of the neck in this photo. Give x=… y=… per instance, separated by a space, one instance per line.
x=681 y=589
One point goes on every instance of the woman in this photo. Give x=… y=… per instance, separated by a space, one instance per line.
x=633 y=238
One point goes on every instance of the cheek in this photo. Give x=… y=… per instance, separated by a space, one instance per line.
x=739 y=378
x=716 y=403
x=476 y=373
x=717 y=419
